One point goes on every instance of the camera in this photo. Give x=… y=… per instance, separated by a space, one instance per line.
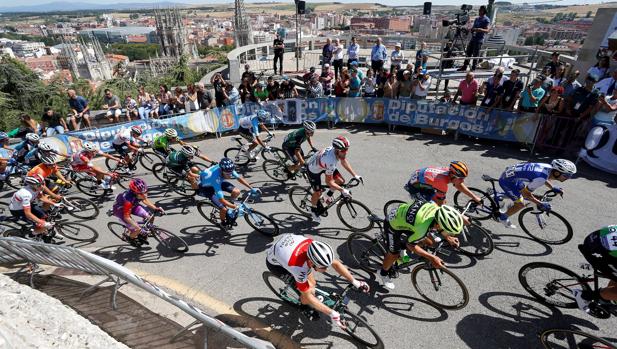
x=461 y=18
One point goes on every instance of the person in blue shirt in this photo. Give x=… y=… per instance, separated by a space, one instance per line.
x=249 y=130
x=519 y=181
x=378 y=56
x=479 y=29
x=79 y=108
x=213 y=183
x=352 y=52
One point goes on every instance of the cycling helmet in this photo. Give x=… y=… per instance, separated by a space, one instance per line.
x=136 y=130
x=309 y=126
x=459 y=169
x=171 y=133
x=89 y=146
x=262 y=115
x=45 y=147
x=564 y=166
x=340 y=143
x=138 y=186
x=320 y=254
x=32 y=137
x=227 y=165
x=188 y=151
x=449 y=219
x=49 y=159
x=3 y=136
x=35 y=180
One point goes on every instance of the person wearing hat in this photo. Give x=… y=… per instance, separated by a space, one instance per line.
x=531 y=97
x=352 y=53
x=326 y=78
x=396 y=58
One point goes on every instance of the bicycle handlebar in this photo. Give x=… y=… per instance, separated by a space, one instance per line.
x=354 y=182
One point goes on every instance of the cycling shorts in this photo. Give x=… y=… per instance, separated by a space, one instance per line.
x=598 y=256
x=291 y=153
x=425 y=193
x=512 y=188
x=246 y=133
x=137 y=210
x=315 y=179
x=396 y=240
x=209 y=192
x=122 y=149
x=36 y=211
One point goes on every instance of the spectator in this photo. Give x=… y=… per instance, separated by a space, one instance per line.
x=232 y=95
x=260 y=94
x=553 y=64
x=246 y=91
x=164 y=99
x=420 y=55
x=352 y=52
x=341 y=87
x=288 y=88
x=480 y=27
x=531 y=97
x=493 y=90
x=554 y=104
x=154 y=106
x=53 y=123
x=421 y=86
x=389 y=87
x=607 y=85
x=180 y=100
x=601 y=69
x=608 y=108
x=399 y=73
x=79 y=108
x=130 y=107
x=404 y=88
x=327 y=52
x=111 y=103
x=571 y=84
x=28 y=125
x=378 y=56
x=204 y=97
x=314 y=89
x=191 y=103
x=354 y=65
x=279 y=50
x=560 y=75
x=581 y=102
x=355 y=84
x=307 y=77
x=512 y=89
x=143 y=100
x=381 y=79
x=273 y=88
x=547 y=82
x=326 y=79
x=219 y=89
x=249 y=75
x=447 y=97
x=337 y=54
x=396 y=57
x=468 y=90
x=369 y=83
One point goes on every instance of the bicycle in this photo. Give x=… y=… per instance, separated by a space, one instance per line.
x=147 y=159
x=277 y=168
x=165 y=238
x=572 y=338
x=356 y=326
x=474 y=240
x=88 y=184
x=552 y=229
x=255 y=219
x=178 y=182
x=352 y=213
x=368 y=253
x=240 y=154
x=555 y=284
x=15 y=173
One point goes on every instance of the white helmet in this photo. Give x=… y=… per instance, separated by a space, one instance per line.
x=35 y=180
x=45 y=147
x=564 y=166
x=32 y=137
x=171 y=133
x=49 y=159
x=89 y=146
x=309 y=126
x=320 y=254
x=188 y=151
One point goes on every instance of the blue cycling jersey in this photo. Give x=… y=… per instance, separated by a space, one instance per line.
x=22 y=149
x=32 y=156
x=250 y=122
x=527 y=174
x=213 y=177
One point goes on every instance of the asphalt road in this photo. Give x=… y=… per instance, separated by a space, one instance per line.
x=228 y=266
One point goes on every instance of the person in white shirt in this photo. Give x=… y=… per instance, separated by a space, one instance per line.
x=421 y=86
x=337 y=58
x=606 y=86
x=396 y=58
x=352 y=52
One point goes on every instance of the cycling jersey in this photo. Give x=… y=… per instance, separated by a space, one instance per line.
x=82 y=158
x=251 y=123
x=323 y=161
x=213 y=177
x=21 y=150
x=24 y=197
x=177 y=159
x=127 y=203
x=290 y=252
x=43 y=170
x=162 y=142
x=416 y=216
x=123 y=137
x=294 y=139
x=33 y=157
x=600 y=250
x=530 y=175
x=437 y=178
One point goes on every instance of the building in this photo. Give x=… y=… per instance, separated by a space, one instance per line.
x=28 y=48
x=566 y=34
x=44 y=64
x=121 y=34
x=172 y=35
x=393 y=24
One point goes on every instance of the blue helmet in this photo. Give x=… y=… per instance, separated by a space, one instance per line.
x=227 y=165
x=263 y=115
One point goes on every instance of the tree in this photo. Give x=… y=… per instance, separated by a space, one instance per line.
x=134 y=15
x=529 y=41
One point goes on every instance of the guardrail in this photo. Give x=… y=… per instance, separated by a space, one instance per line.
x=35 y=253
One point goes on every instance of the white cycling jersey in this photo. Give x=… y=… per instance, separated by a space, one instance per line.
x=122 y=137
x=24 y=197
x=324 y=160
x=290 y=252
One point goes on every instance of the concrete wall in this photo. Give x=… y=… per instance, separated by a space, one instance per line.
x=587 y=53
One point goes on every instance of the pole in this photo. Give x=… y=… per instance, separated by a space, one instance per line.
x=297 y=40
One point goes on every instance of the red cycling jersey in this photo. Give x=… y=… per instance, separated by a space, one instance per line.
x=437 y=178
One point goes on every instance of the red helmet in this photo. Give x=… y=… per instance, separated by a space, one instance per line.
x=138 y=186
x=136 y=130
x=341 y=143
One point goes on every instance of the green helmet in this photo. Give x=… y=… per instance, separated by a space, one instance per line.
x=449 y=219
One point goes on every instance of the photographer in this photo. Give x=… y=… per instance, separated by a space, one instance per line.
x=480 y=27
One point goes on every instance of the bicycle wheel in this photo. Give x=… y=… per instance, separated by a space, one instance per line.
x=300 y=198
x=239 y=156
x=15 y=180
x=117 y=229
x=572 y=339
x=82 y=208
x=160 y=172
x=360 y=330
x=551 y=284
x=367 y=252
x=209 y=211
x=275 y=154
x=182 y=187
x=480 y=212
x=90 y=187
x=261 y=223
x=550 y=228
x=123 y=180
x=170 y=240
x=76 y=231
x=440 y=287
x=475 y=241
x=354 y=215
x=275 y=170
x=283 y=288
x=390 y=205
x=149 y=159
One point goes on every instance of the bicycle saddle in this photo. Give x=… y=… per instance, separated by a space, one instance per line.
x=489 y=178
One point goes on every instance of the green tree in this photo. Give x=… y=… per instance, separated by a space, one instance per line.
x=529 y=41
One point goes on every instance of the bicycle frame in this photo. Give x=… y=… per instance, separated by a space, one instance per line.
x=351 y=184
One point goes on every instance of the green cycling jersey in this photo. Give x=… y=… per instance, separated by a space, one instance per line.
x=162 y=142
x=177 y=159
x=416 y=216
x=295 y=138
x=608 y=238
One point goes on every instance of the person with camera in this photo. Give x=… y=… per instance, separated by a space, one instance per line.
x=480 y=27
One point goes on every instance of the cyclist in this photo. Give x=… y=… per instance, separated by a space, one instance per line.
x=127 y=204
x=124 y=143
x=179 y=161
x=325 y=161
x=46 y=169
x=431 y=183
x=33 y=157
x=249 y=130
x=213 y=183
x=519 y=182
x=22 y=205
x=600 y=250
x=4 y=144
x=292 y=145
x=23 y=148
x=297 y=256
x=162 y=142
x=407 y=227
x=82 y=162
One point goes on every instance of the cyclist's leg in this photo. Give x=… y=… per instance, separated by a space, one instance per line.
x=394 y=246
x=231 y=189
x=512 y=189
x=315 y=182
